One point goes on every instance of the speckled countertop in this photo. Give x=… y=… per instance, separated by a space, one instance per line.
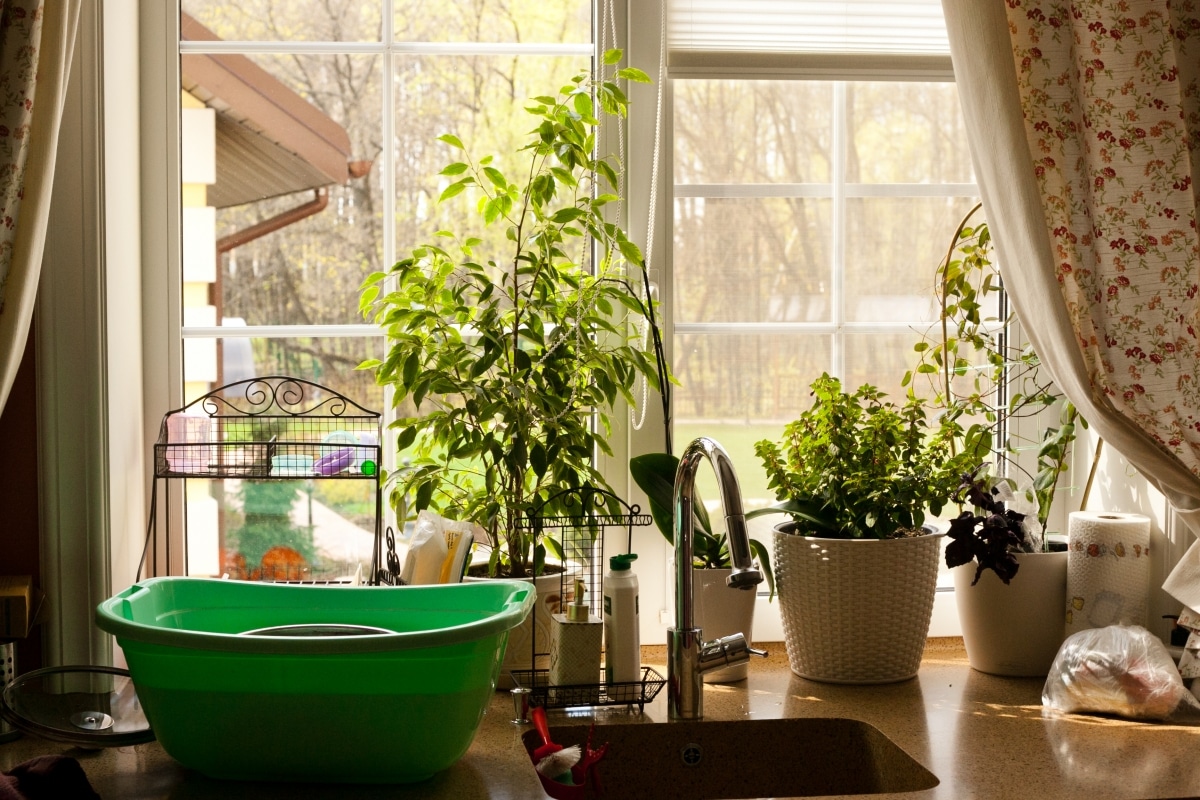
x=982 y=736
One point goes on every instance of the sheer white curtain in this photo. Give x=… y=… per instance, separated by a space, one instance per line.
x=1085 y=129
x=36 y=40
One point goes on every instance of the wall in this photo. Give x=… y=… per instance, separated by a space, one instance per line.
x=19 y=544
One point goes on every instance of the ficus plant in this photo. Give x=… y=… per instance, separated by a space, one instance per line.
x=968 y=359
x=855 y=465
x=507 y=361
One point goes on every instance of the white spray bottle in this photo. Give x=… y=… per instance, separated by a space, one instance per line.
x=622 y=640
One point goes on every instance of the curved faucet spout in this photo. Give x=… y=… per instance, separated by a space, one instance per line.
x=685 y=664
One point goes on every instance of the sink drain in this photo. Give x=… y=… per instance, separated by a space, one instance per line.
x=691 y=754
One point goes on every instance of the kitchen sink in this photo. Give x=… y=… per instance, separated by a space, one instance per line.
x=708 y=760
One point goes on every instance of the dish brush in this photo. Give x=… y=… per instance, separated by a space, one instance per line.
x=557 y=765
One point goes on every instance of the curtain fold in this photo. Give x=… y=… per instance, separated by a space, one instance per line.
x=36 y=41
x=1084 y=120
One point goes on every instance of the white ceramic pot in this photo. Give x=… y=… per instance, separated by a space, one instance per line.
x=855 y=610
x=518 y=654
x=1014 y=630
x=722 y=611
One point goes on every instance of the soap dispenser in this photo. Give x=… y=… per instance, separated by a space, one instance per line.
x=622 y=645
x=575 y=640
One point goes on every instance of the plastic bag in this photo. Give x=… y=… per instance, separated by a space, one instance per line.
x=427 y=551
x=1122 y=669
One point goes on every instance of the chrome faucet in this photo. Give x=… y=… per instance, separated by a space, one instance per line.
x=688 y=655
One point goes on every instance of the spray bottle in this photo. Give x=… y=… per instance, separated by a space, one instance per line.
x=622 y=640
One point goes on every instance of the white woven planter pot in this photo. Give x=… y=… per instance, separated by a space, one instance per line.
x=855 y=610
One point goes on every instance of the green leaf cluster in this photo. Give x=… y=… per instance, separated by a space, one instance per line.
x=970 y=365
x=855 y=465
x=512 y=360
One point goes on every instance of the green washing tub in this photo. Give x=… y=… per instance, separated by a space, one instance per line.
x=343 y=706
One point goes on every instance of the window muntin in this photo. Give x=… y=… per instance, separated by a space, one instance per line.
x=809 y=219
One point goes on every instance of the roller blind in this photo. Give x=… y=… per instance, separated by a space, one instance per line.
x=807 y=38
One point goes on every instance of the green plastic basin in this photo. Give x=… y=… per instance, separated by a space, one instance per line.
x=391 y=707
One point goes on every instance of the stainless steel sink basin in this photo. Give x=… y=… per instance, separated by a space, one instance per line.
x=777 y=758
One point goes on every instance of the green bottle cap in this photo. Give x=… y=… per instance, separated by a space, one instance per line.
x=621 y=562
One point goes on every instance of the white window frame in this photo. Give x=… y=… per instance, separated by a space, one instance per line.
x=644 y=49
x=148 y=39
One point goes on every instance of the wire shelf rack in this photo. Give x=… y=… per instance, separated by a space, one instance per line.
x=580 y=520
x=541 y=693
x=268 y=429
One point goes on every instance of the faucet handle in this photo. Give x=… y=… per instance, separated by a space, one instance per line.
x=725 y=652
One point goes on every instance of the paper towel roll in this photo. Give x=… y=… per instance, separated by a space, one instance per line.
x=1108 y=569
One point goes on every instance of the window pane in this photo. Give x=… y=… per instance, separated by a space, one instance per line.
x=552 y=21
x=312 y=529
x=744 y=254
x=739 y=389
x=881 y=360
x=291 y=211
x=745 y=376
x=481 y=100
x=753 y=131
x=285 y=20
x=306 y=274
x=328 y=361
x=752 y=260
x=893 y=248
x=906 y=133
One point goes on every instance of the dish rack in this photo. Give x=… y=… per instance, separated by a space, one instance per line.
x=587 y=515
x=541 y=693
x=274 y=428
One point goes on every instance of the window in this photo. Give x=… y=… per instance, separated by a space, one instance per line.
x=309 y=141
x=809 y=217
x=819 y=166
x=810 y=200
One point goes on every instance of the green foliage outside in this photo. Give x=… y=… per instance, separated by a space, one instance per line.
x=267 y=508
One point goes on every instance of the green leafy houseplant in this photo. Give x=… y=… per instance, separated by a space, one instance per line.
x=512 y=360
x=967 y=361
x=855 y=465
x=654 y=473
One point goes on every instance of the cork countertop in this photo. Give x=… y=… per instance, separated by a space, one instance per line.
x=982 y=736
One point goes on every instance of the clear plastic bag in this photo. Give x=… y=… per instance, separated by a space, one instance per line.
x=1122 y=669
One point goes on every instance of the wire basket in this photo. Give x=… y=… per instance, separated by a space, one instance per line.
x=541 y=693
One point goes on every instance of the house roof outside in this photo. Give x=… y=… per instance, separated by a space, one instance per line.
x=270 y=141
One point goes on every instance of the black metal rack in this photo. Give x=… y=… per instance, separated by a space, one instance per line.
x=541 y=693
x=273 y=428
x=589 y=512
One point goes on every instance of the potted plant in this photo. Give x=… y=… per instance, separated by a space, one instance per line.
x=507 y=346
x=1011 y=625
x=855 y=569
x=719 y=612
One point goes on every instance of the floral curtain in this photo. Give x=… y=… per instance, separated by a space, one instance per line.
x=1084 y=120
x=36 y=40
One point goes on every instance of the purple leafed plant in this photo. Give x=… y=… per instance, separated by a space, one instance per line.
x=990 y=535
